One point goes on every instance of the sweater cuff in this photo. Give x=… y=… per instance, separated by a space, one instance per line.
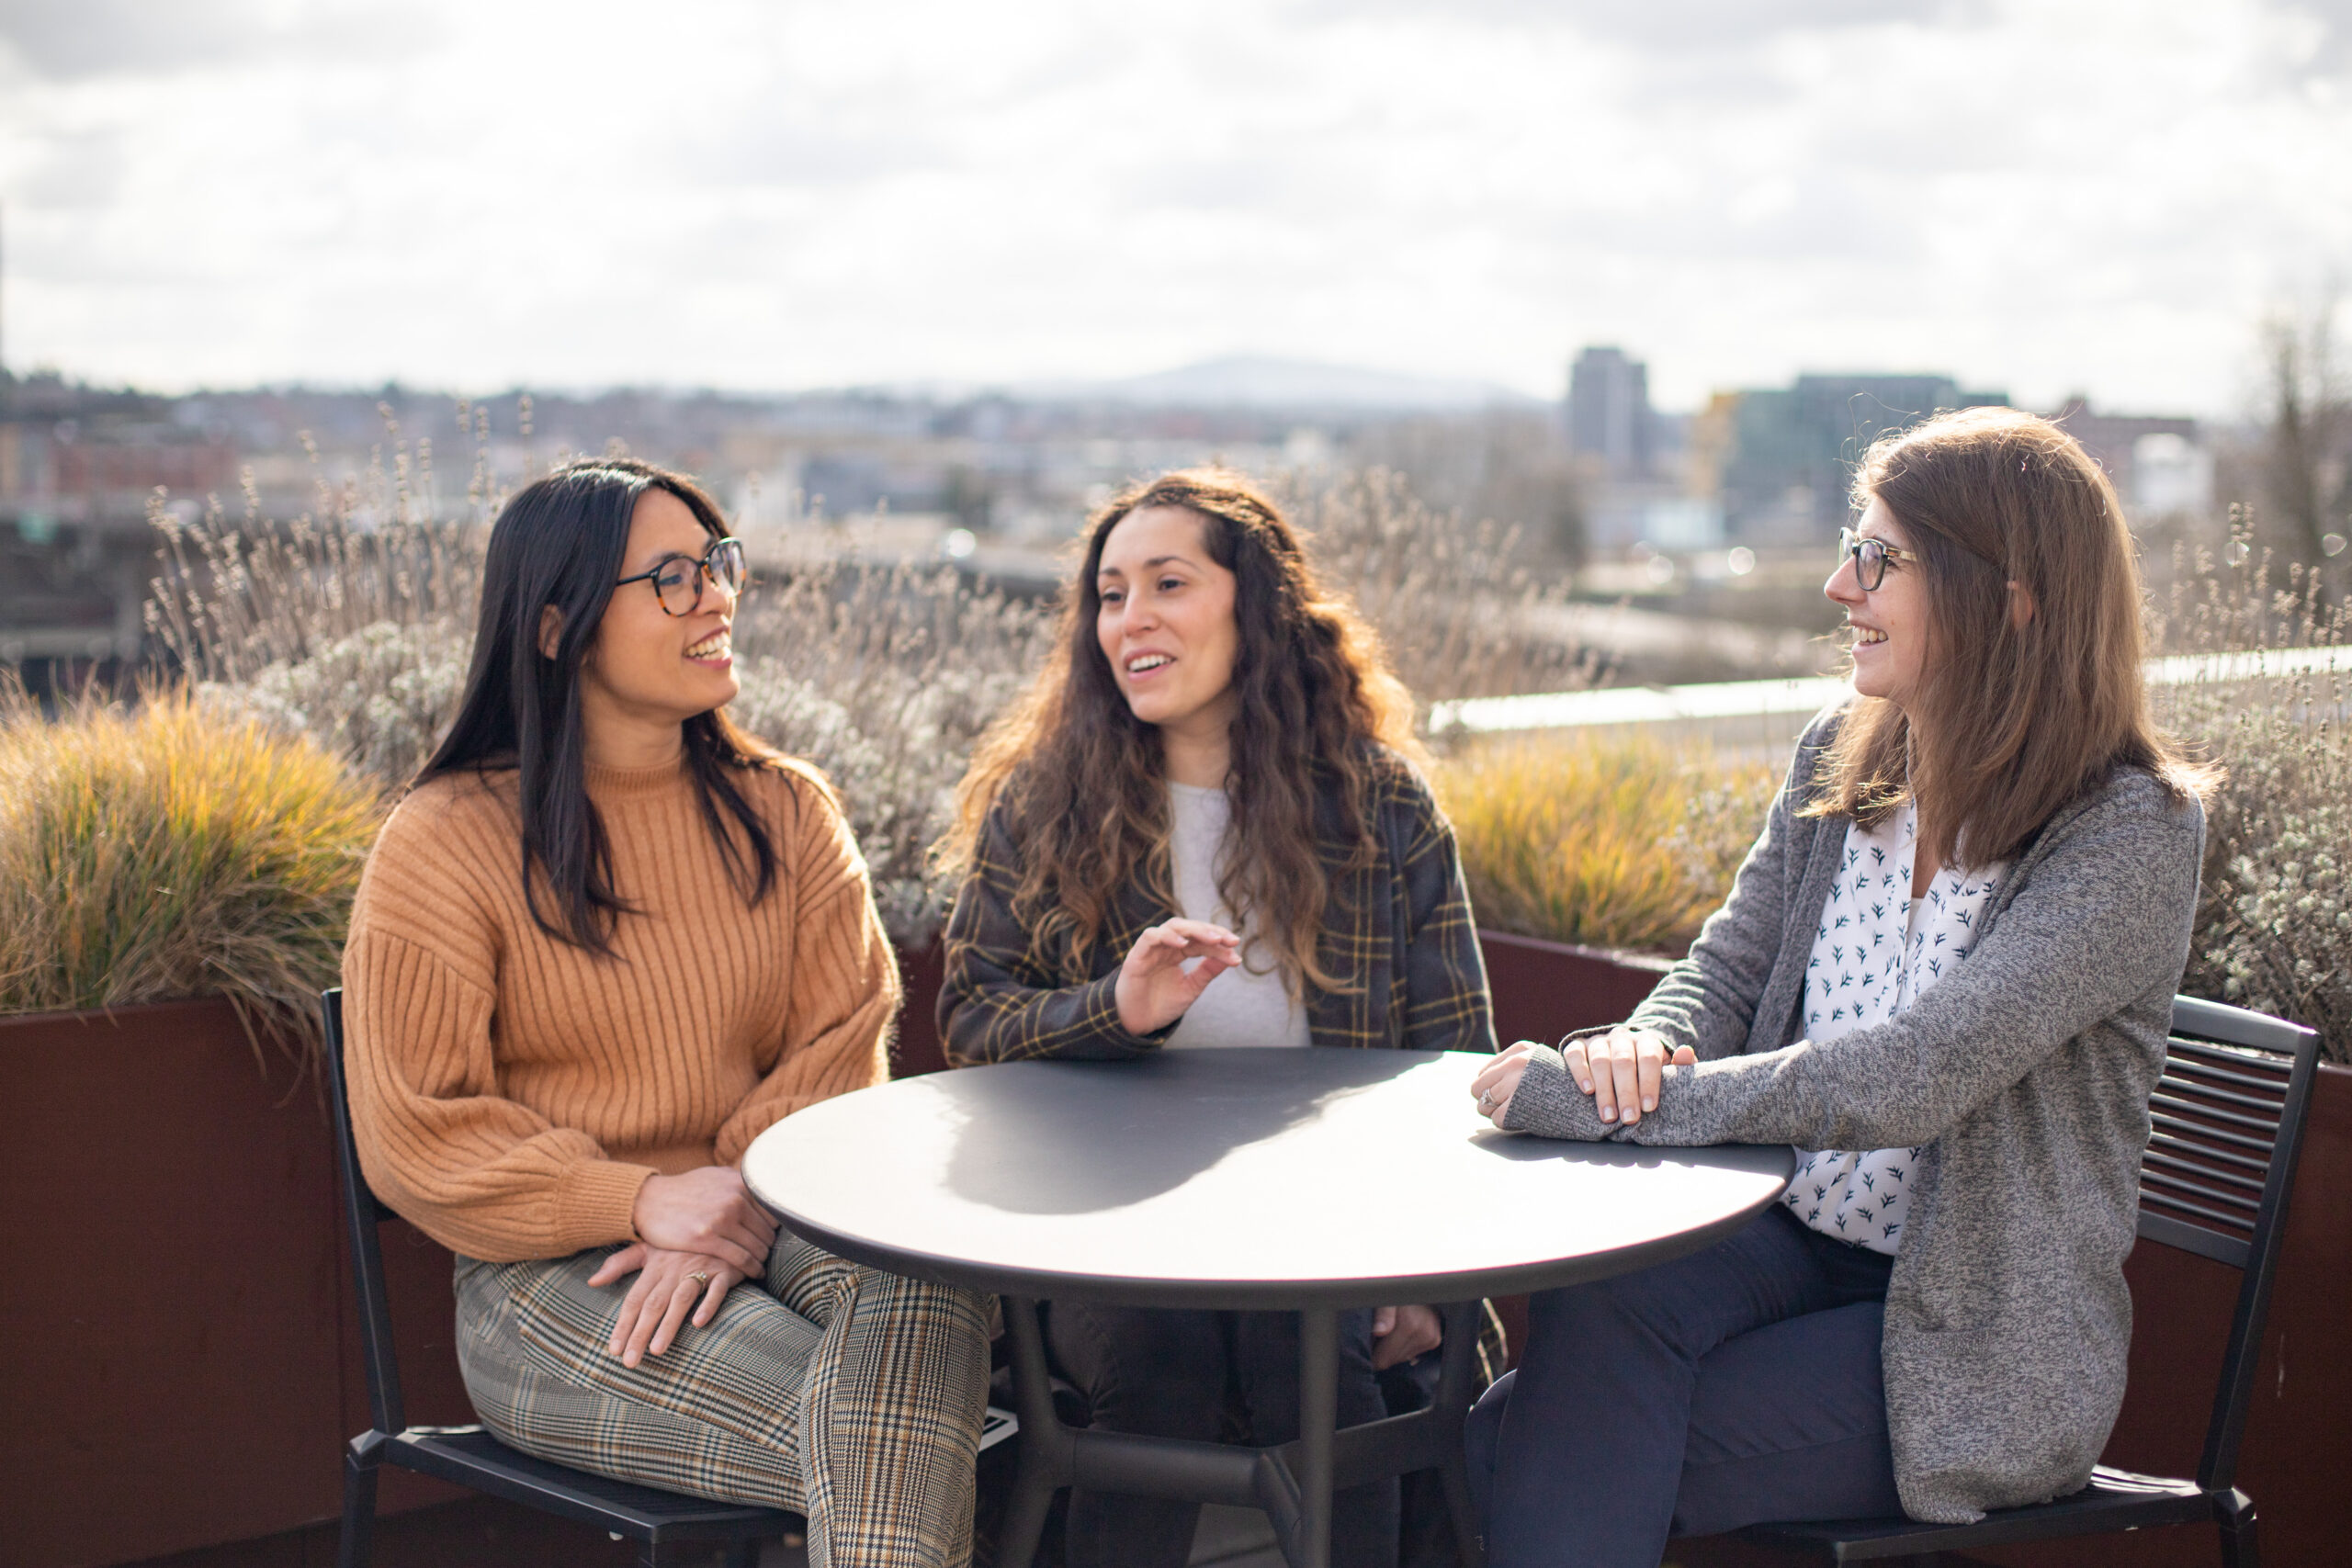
x=1548 y=1103
x=595 y=1204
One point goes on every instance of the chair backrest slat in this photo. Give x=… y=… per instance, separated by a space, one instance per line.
x=2265 y=1107
x=2182 y=1205
x=2215 y=1135
x=2208 y=1065
x=2213 y=1156
x=2230 y=1101
x=2156 y=1155
x=2262 y=1127
x=362 y=1212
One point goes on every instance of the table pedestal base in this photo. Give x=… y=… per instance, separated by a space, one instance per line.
x=1292 y=1483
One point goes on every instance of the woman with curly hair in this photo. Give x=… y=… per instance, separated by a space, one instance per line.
x=1204 y=827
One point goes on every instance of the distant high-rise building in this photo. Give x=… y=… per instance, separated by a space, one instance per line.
x=1609 y=411
x=1791 y=453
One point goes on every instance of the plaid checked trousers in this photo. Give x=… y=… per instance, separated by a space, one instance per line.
x=844 y=1394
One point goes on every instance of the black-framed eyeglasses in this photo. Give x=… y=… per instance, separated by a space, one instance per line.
x=1869 y=557
x=677 y=579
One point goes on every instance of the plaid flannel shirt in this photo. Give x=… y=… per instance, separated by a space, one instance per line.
x=1397 y=934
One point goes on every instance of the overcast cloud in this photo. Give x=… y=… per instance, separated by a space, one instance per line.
x=2042 y=194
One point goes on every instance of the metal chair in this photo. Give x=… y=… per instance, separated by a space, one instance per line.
x=666 y=1525
x=2228 y=1118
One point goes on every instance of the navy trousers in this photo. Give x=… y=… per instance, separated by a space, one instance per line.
x=1736 y=1386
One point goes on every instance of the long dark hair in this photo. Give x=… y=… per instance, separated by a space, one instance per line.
x=561 y=541
x=1085 y=781
x=2017 y=717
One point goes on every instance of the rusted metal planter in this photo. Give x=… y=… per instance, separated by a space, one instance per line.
x=178 y=1358
x=181 y=1364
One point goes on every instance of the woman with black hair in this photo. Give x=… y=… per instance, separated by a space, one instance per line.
x=605 y=940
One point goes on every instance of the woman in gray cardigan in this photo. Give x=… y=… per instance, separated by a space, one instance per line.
x=1945 y=972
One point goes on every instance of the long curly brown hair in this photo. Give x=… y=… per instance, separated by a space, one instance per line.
x=1083 y=781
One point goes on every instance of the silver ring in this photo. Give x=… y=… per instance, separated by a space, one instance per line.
x=1486 y=1103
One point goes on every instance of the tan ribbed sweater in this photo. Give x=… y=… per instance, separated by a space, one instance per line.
x=510 y=1092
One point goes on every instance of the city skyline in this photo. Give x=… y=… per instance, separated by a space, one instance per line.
x=2076 y=196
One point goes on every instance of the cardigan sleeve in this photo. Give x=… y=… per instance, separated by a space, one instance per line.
x=844 y=991
x=997 y=1004
x=2099 y=921
x=474 y=1170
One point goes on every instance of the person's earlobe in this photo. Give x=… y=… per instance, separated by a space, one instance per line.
x=552 y=629
x=2021 y=604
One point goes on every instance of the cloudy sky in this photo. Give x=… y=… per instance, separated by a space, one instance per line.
x=2042 y=194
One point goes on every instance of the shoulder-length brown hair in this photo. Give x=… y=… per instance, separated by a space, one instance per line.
x=2018 y=715
x=1082 y=780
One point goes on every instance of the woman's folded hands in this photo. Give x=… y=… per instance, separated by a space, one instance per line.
x=669 y=1286
x=1622 y=1070
x=700 y=1233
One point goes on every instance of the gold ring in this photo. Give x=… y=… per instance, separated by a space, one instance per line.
x=699 y=1278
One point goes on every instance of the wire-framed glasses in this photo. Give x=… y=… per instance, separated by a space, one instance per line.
x=678 y=580
x=1869 y=557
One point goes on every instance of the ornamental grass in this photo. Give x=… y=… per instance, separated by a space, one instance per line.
x=1614 y=841
x=158 y=852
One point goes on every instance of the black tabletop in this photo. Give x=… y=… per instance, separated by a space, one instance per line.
x=1239 y=1179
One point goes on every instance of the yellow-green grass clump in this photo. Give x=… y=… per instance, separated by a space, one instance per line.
x=1609 y=842
x=164 y=852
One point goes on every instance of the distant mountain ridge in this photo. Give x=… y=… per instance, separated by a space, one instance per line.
x=1257 y=381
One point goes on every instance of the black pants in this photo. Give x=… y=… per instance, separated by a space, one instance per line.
x=1170 y=1374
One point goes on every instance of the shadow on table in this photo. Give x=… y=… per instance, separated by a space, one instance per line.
x=1520 y=1149
x=1764 y=1159
x=1081 y=1137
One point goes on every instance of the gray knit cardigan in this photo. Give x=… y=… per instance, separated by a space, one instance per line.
x=2025 y=1075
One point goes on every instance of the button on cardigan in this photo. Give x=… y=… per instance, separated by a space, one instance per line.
x=2023 y=1075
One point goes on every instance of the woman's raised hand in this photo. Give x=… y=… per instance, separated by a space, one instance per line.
x=1622 y=1071
x=669 y=1286
x=1154 y=988
x=707 y=1212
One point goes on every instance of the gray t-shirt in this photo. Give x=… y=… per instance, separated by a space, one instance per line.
x=1250 y=1004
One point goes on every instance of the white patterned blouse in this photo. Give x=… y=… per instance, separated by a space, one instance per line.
x=1878 y=948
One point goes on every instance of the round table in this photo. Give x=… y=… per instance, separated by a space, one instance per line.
x=1305 y=1180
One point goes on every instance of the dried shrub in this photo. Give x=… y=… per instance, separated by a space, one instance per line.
x=1450 y=603
x=353 y=626
x=379 y=697
x=2275 y=919
x=885 y=677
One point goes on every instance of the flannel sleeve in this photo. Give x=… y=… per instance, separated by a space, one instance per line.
x=997 y=1003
